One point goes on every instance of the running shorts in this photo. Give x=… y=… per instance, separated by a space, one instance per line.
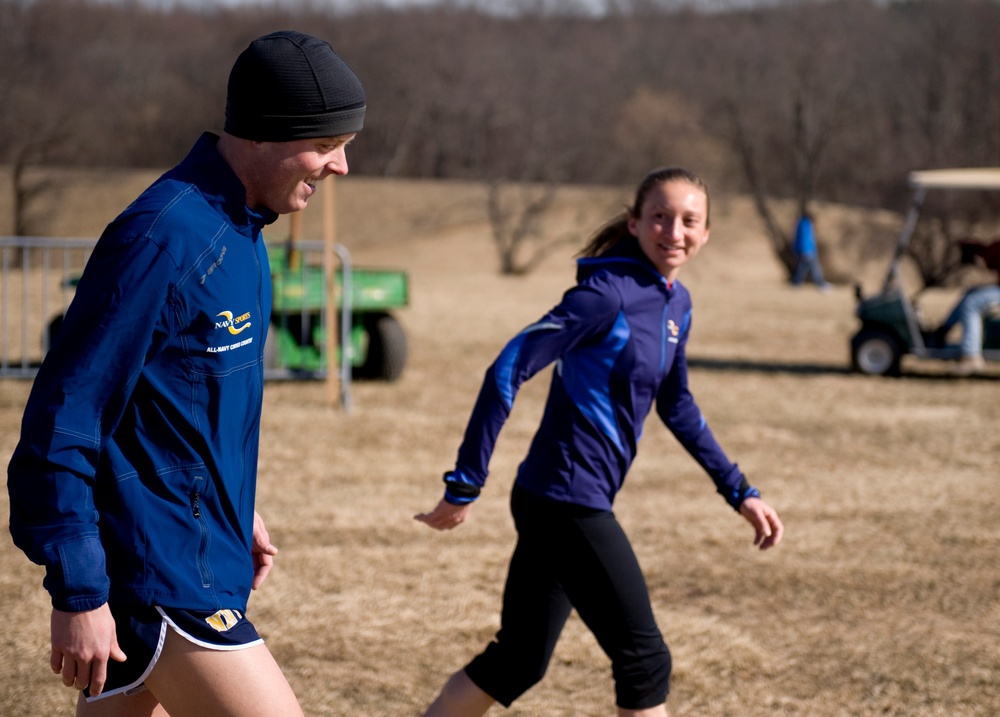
x=142 y=629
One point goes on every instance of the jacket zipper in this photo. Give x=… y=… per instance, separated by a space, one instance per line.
x=202 y=558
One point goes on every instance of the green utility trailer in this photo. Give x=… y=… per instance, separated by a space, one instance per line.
x=296 y=339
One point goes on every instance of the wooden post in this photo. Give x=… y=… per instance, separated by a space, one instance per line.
x=294 y=236
x=330 y=266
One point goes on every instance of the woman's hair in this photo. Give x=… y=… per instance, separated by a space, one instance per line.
x=616 y=229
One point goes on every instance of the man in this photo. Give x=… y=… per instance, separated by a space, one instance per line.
x=133 y=482
x=970 y=309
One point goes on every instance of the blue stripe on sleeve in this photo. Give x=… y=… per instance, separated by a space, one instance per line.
x=586 y=378
x=506 y=362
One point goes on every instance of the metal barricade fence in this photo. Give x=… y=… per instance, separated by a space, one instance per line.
x=35 y=289
x=37 y=281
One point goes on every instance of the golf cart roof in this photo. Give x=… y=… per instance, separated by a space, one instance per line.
x=971 y=178
x=974 y=178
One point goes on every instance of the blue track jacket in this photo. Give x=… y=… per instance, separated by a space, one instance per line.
x=618 y=340
x=136 y=468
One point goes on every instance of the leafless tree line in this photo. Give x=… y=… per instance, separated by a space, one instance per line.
x=806 y=101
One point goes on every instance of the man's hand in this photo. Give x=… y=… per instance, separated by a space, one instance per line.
x=445 y=516
x=82 y=644
x=766 y=524
x=263 y=552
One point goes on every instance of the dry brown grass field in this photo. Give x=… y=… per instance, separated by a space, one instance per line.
x=883 y=599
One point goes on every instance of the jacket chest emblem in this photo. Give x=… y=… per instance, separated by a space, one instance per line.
x=229 y=322
x=235 y=325
x=673 y=330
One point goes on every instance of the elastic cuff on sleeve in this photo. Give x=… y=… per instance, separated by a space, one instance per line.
x=78 y=581
x=741 y=493
x=459 y=490
x=457 y=499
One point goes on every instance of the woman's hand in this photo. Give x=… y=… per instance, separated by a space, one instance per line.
x=764 y=519
x=445 y=516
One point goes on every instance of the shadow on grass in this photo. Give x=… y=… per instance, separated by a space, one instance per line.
x=799 y=368
x=778 y=367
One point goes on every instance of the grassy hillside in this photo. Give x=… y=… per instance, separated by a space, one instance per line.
x=882 y=601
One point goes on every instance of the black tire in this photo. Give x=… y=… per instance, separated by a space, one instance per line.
x=875 y=353
x=387 y=349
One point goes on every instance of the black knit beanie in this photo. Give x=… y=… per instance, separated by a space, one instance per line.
x=287 y=86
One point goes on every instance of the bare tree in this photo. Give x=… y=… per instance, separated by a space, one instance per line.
x=787 y=106
x=515 y=213
x=796 y=102
x=27 y=187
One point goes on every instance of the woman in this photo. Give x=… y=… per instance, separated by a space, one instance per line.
x=619 y=339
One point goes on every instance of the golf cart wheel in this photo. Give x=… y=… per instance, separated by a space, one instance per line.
x=387 y=349
x=875 y=353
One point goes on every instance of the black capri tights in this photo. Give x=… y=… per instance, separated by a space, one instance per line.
x=570 y=557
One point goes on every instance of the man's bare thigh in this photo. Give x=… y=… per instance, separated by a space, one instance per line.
x=193 y=681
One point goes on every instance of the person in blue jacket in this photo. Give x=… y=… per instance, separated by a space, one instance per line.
x=134 y=478
x=618 y=341
x=806 y=254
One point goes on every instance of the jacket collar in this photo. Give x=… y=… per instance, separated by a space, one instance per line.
x=205 y=168
x=625 y=256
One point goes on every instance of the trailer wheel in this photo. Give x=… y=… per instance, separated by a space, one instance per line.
x=387 y=349
x=875 y=353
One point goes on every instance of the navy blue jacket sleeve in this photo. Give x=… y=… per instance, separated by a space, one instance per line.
x=585 y=312
x=677 y=409
x=76 y=402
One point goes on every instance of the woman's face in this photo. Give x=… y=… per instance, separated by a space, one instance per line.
x=286 y=173
x=672 y=225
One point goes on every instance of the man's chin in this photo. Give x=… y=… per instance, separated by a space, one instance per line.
x=296 y=204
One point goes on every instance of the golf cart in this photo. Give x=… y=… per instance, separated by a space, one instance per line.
x=890 y=323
